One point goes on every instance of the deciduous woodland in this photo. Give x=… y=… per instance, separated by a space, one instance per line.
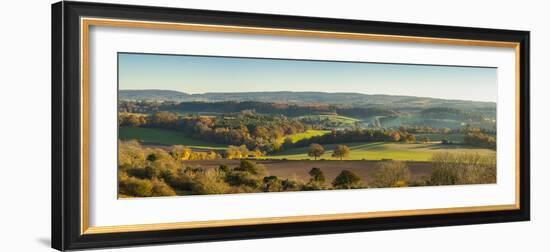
x=172 y=143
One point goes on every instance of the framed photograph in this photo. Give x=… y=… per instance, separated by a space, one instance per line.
x=181 y=125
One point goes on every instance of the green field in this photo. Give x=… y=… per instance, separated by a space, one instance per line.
x=380 y=150
x=304 y=135
x=359 y=151
x=333 y=118
x=165 y=137
x=136 y=114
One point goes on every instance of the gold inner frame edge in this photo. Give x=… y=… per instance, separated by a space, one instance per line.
x=85 y=24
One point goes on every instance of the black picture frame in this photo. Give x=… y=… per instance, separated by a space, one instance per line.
x=66 y=114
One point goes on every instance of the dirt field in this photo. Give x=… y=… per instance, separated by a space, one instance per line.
x=331 y=168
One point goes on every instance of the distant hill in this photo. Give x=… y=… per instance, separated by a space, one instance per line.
x=152 y=95
x=383 y=110
x=354 y=99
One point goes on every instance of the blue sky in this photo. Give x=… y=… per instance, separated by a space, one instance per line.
x=199 y=74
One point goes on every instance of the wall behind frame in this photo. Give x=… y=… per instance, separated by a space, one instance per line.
x=25 y=125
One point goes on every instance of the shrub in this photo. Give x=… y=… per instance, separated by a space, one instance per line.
x=137 y=172
x=130 y=154
x=192 y=171
x=135 y=187
x=272 y=184
x=252 y=168
x=391 y=174
x=243 y=178
x=317 y=175
x=478 y=169
x=224 y=168
x=149 y=172
x=313 y=186
x=444 y=176
x=178 y=179
x=400 y=183
x=241 y=189
x=466 y=168
x=424 y=180
x=161 y=189
x=180 y=152
x=292 y=185
x=346 y=180
x=160 y=159
x=152 y=172
x=236 y=152
x=210 y=182
x=152 y=157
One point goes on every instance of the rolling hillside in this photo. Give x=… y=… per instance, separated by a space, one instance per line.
x=356 y=99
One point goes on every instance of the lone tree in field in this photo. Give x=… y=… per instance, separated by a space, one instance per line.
x=317 y=175
x=341 y=151
x=315 y=150
x=346 y=180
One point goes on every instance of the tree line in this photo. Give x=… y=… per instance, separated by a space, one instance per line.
x=358 y=135
x=263 y=133
x=472 y=136
x=226 y=107
x=476 y=137
x=255 y=131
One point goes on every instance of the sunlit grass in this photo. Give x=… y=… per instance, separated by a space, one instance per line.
x=381 y=150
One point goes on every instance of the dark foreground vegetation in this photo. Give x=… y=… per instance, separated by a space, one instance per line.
x=149 y=172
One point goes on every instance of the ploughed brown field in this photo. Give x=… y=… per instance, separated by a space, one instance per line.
x=331 y=168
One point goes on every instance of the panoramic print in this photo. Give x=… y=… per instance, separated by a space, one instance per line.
x=199 y=125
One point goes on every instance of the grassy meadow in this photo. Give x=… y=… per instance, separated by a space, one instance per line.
x=332 y=118
x=383 y=151
x=304 y=135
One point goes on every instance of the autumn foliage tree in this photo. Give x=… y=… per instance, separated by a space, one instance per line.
x=236 y=152
x=395 y=136
x=180 y=152
x=341 y=151
x=315 y=150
